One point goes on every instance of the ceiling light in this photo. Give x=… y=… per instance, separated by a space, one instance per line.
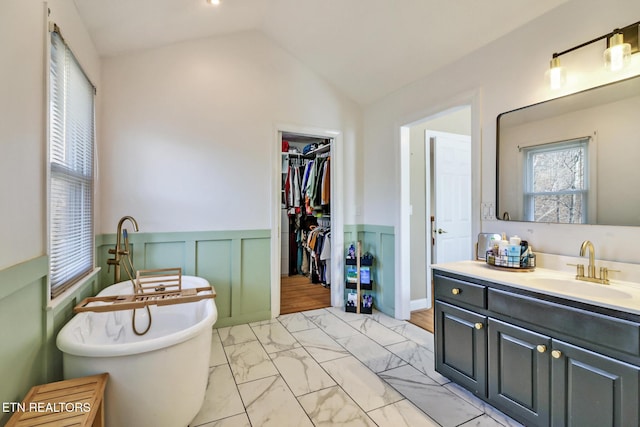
x=621 y=44
x=618 y=54
x=213 y=2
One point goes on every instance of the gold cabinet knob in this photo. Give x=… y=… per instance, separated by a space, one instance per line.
x=455 y=291
x=556 y=354
x=479 y=326
x=541 y=348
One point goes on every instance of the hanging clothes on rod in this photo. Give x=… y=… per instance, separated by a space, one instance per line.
x=306 y=198
x=319 y=247
x=317 y=189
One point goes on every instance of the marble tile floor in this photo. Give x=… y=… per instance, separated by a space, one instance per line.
x=327 y=367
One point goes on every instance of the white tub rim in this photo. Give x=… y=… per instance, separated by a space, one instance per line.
x=66 y=342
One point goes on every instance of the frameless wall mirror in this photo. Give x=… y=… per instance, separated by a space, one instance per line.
x=573 y=159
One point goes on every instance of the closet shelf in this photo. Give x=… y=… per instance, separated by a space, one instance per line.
x=324 y=149
x=311 y=154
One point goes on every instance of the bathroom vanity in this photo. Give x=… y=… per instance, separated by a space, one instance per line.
x=540 y=346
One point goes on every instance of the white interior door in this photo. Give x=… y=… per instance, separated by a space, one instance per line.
x=452 y=176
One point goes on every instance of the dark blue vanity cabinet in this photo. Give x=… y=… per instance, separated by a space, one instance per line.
x=544 y=361
x=460 y=329
x=520 y=379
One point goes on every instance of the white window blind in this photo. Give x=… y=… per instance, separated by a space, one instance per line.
x=71 y=145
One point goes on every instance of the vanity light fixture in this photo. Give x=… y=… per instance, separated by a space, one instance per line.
x=556 y=75
x=618 y=54
x=621 y=43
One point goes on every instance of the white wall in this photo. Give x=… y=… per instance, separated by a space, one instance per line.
x=23 y=119
x=21 y=131
x=188 y=132
x=509 y=74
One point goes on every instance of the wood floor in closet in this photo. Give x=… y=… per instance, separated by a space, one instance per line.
x=297 y=293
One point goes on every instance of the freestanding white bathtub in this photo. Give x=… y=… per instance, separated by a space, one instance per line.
x=157 y=379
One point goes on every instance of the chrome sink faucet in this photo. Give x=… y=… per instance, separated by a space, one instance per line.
x=591 y=268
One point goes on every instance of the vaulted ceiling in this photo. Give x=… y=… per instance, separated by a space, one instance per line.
x=365 y=48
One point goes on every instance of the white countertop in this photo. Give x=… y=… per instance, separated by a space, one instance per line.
x=618 y=295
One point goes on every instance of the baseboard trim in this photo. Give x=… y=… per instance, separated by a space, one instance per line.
x=420 y=304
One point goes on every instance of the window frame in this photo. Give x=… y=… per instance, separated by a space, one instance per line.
x=82 y=173
x=529 y=195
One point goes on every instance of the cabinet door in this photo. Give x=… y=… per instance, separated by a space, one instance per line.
x=461 y=346
x=590 y=389
x=519 y=368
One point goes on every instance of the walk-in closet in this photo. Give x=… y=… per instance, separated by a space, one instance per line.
x=305 y=223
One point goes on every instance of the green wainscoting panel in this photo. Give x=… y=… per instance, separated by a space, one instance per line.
x=387 y=296
x=57 y=316
x=379 y=240
x=16 y=277
x=22 y=329
x=164 y=255
x=22 y=355
x=214 y=262
x=236 y=263
x=29 y=327
x=255 y=285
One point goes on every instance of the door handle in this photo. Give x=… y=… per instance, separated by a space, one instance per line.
x=441 y=231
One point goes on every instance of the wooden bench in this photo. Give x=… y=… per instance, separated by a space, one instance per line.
x=74 y=402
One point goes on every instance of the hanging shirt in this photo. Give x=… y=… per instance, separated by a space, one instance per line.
x=326 y=183
x=316 y=196
x=305 y=179
x=296 y=190
x=287 y=188
x=313 y=178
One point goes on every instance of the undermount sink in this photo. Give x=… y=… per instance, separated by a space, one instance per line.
x=578 y=287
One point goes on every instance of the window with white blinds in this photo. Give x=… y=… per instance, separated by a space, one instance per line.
x=71 y=146
x=556 y=182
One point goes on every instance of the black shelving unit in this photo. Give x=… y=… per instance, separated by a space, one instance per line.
x=363 y=302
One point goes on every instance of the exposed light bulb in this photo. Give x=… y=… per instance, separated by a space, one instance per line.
x=556 y=75
x=618 y=54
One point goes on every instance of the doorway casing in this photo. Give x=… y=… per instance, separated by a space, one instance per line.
x=403 y=250
x=337 y=210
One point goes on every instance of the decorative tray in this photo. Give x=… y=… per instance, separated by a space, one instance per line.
x=128 y=302
x=511 y=263
x=162 y=286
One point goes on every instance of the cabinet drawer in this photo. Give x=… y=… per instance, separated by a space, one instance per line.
x=597 y=329
x=458 y=291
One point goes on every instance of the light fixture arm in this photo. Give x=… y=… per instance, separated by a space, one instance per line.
x=625 y=31
x=621 y=43
x=557 y=54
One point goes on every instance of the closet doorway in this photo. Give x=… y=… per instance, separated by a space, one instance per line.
x=305 y=222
